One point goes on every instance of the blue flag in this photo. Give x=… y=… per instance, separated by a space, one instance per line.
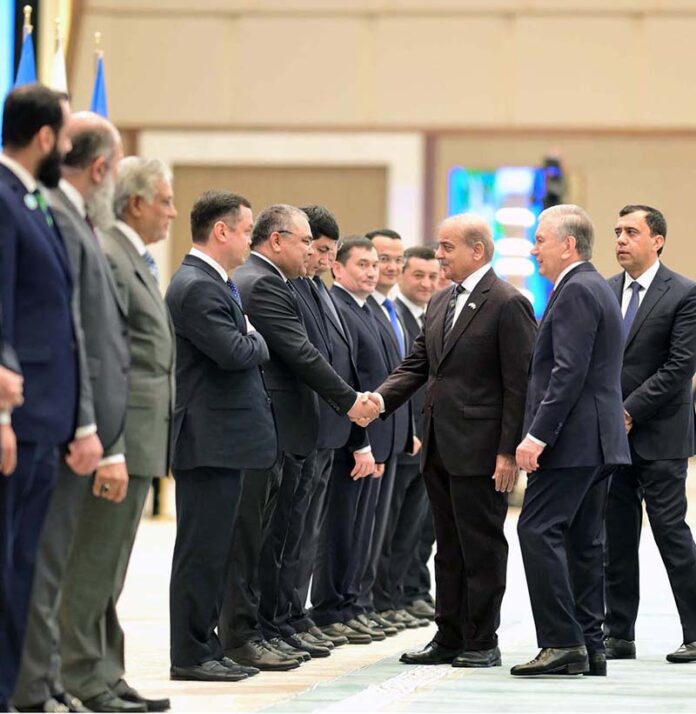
x=98 y=104
x=26 y=71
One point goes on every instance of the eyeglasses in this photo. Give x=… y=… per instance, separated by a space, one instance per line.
x=307 y=240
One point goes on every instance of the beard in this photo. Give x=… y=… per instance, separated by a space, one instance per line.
x=100 y=207
x=50 y=169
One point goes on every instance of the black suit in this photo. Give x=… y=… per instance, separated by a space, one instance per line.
x=296 y=372
x=223 y=425
x=574 y=406
x=658 y=365
x=475 y=381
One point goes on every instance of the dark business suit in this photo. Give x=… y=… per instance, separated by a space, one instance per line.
x=574 y=406
x=104 y=359
x=223 y=425
x=658 y=366
x=35 y=294
x=474 y=403
x=296 y=373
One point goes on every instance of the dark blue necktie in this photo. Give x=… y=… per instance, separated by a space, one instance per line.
x=391 y=311
x=632 y=309
x=235 y=293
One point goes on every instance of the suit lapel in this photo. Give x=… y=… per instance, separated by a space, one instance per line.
x=386 y=322
x=616 y=284
x=582 y=268
x=657 y=290
x=435 y=322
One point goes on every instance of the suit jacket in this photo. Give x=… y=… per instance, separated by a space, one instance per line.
x=36 y=294
x=475 y=379
x=658 y=367
x=151 y=379
x=101 y=327
x=296 y=371
x=574 y=399
x=223 y=416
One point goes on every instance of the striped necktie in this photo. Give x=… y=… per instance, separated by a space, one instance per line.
x=451 y=305
x=151 y=265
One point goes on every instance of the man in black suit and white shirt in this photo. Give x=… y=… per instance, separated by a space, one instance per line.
x=659 y=311
x=223 y=426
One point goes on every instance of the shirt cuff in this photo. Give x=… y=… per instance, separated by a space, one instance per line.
x=364 y=450
x=113 y=459
x=5 y=418
x=82 y=432
x=536 y=441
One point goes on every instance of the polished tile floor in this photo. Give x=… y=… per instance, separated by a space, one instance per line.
x=370 y=678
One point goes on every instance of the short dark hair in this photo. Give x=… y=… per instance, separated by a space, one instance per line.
x=386 y=232
x=27 y=109
x=418 y=251
x=272 y=219
x=347 y=244
x=655 y=220
x=321 y=222
x=213 y=206
x=90 y=144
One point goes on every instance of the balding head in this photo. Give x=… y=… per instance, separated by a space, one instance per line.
x=465 y=244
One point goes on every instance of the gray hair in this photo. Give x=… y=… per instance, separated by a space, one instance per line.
x=472 y=229
x=138 y=177
x=571 y=220
x=274 y=218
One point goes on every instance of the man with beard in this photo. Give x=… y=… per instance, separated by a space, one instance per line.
x=83 y=199
x=35 y=297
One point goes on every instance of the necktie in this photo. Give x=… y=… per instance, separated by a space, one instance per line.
x=151 y=265
x=234 y=291
x=391 y=311
x=632 y=309
x=327 y=302
x=44 y=207
x=449 y=313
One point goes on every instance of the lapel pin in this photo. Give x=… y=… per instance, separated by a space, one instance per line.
x=472 y=305
x=30 y=201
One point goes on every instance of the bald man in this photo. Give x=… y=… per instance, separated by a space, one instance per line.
x=473 y=355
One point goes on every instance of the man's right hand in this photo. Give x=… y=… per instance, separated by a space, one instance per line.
x=8 y=450
x=84 y=454
x=365 y=409
x=379 y=471
x=364 y=465
x=11 y=389
x=111 y=482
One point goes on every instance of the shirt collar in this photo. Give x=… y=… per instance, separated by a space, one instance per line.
x=270 y=262
x=196 y=253
x=20 y=172
x=132 y=236
x=416 y=310
x=645 y=280
x=566 y=270
x=74 y=196
x=377 y=295
x=359 y=300
x=469 y=284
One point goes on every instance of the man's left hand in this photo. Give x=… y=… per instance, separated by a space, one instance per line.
x=528 y=454
x=84 y=454
x=506 y=473
x=416 y=446
x=8 y=450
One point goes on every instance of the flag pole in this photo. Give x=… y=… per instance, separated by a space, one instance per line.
x=98 y=52
x=28 y=28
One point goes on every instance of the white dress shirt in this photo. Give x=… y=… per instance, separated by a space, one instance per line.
x=359 y=300
x=196 y=253
x=74 y=196
x=645 y=280
x=270 y=262
x=469 y=284
x=133 y=237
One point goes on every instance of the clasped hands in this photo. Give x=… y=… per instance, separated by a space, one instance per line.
x=366 y=408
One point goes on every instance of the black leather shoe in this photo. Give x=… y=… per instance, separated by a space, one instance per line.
x=686 y=653
x=128 y=694
x=373 y=632
x=239 y=668
x=555 y=660
x=335 y=640
x=478 y=658
x=282 y=647
x=211 y=671
x=255 y=653
x=432 y=653
x=421 y=610
x=302 y=642
x=313 y=639
x=598 y=665
x=376 y=620
x=339 y=629
x=619 y=649
x=410 y=621
x=109 y=702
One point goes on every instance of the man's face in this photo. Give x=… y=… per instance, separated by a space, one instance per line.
x=359 y=274
x=322 y=259
x=155 y=219
x=457 y=259
x=551 y=253
x=391 y=261
x=636 y=249
x=296 y=248
x=49 y=169
x=239 y=237
x=419 y=280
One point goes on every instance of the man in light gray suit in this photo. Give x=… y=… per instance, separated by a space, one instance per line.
x=92 y=645
x=82 y=199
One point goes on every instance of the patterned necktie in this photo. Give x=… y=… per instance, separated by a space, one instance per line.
x=396 y=327
x=151 y=265
x=451 y=305
x=234 y=291
x=632 y=309
x=44 y=207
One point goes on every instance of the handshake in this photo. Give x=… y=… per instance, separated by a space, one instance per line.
x=366 y=409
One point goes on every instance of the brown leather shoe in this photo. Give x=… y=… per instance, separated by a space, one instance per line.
x=354 y=637
x=259 y=654
x=686 y=653
x=357 y=624
x=421 y=610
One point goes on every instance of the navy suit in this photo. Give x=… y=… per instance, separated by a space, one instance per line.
x=574 y=405
x=223 y=425
x=658 y=367
x=35 y=294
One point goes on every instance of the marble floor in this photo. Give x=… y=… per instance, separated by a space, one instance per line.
x=370 y=678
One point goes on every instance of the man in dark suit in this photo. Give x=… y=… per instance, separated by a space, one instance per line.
x=92 y=639
x=472 y=356
x=659 y=310
x=574 y=430
x=223 y=425
x=410 y=511
x=35 y=295
x=84 y=195
x=295 y=374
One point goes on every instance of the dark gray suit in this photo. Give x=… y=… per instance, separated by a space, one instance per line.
x=92 y=641
x=104 y=358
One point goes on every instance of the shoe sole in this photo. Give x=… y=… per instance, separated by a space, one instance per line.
x=481 y=665
x=281 y=667
x=189 y=678
x=361 y=642
x=574 y=668
x=408 y=661
x=677 y=660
